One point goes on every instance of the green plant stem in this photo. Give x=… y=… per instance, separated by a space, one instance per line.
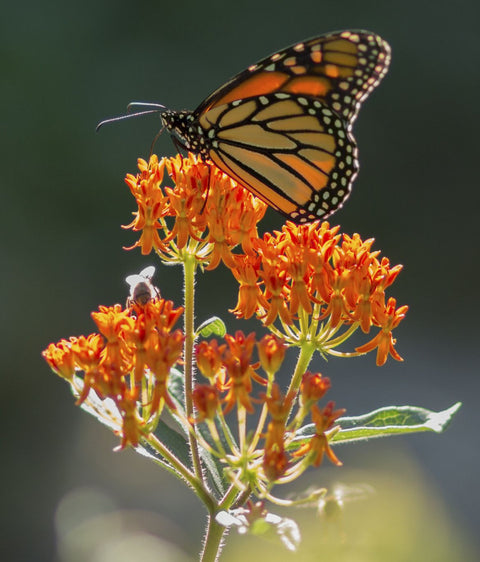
x=180 y=470
x=230 y=496
x=342 y=338
x=306 y=351
x=263 y=416
x=242 y=425
x=213 y=540
x=189 y=266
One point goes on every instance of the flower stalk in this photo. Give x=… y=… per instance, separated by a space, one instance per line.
x=189 y=266
x=308 y=286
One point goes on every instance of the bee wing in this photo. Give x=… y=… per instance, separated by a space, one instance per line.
x=134 y=280
x=148 y=272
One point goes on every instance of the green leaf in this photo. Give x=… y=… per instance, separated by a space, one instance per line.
x=108 y=414
x=214 y=326
x=174 y=441
x=105 y=411
x=215 y=471
x=176 y=389
x=391 y=420
x=211 y=463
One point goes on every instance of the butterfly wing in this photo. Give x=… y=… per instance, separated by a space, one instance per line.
x=292 y=151
x=282 y=128
x=340 y=69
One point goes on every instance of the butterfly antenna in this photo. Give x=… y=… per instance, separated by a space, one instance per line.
x=154 y=108
x=155 y=140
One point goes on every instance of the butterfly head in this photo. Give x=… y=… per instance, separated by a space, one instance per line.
x=180 y=124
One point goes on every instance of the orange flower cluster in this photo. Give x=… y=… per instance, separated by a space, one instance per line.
x=230 y=370
x=206 y=206
x=129 y=361
x=304 y=273
x=279 y=435
x=309 y=285
x=311 y=270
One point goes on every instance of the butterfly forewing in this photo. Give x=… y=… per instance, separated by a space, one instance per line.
x=339 y=68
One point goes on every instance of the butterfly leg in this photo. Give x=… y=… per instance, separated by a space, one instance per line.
x=155 y=140
x=208 y=188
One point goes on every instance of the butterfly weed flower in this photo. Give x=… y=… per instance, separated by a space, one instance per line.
x=308 y=285
x=209 y=406
x=127 y=363
x=164 y=389
x=315 y=288
x=204 y=215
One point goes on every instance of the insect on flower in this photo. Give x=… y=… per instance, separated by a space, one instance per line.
x=282 y=128
x=141 y=288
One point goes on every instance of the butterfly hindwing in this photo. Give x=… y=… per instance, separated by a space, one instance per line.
x=292 y=151
x=282 y=127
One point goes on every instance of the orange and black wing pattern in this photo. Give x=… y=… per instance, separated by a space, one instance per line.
x=282 y=128
x=339 y=68
x=291 y=151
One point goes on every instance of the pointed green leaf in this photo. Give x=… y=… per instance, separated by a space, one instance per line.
x=176 y=388
x=214 y=326
x=391 y=420
x=105 y=411
x=216 y=469
x=174 y=441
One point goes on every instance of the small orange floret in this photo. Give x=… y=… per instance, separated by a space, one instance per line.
x=318 y=445
x=384 y=341
x=209 y=358
x=246 y=273
x=239 y=370
x=313 y=387
x=271 y=351
x=275 y=462
x=153 y=206
x=206 y=401
x=132 y=424
x=60 y=358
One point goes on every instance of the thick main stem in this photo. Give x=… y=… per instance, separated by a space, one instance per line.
x=189 y=329
x=307 y=349
x=213 y=540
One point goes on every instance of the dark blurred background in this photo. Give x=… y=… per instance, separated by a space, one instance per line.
x=67 y=65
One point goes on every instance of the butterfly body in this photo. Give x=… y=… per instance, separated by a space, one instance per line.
x=283 y=127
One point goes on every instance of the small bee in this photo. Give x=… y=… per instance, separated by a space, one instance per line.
x=141 y=288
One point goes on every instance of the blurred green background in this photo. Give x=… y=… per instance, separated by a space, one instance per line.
x=67 y=65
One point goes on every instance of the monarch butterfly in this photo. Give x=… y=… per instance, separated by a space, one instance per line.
x=282 y=127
